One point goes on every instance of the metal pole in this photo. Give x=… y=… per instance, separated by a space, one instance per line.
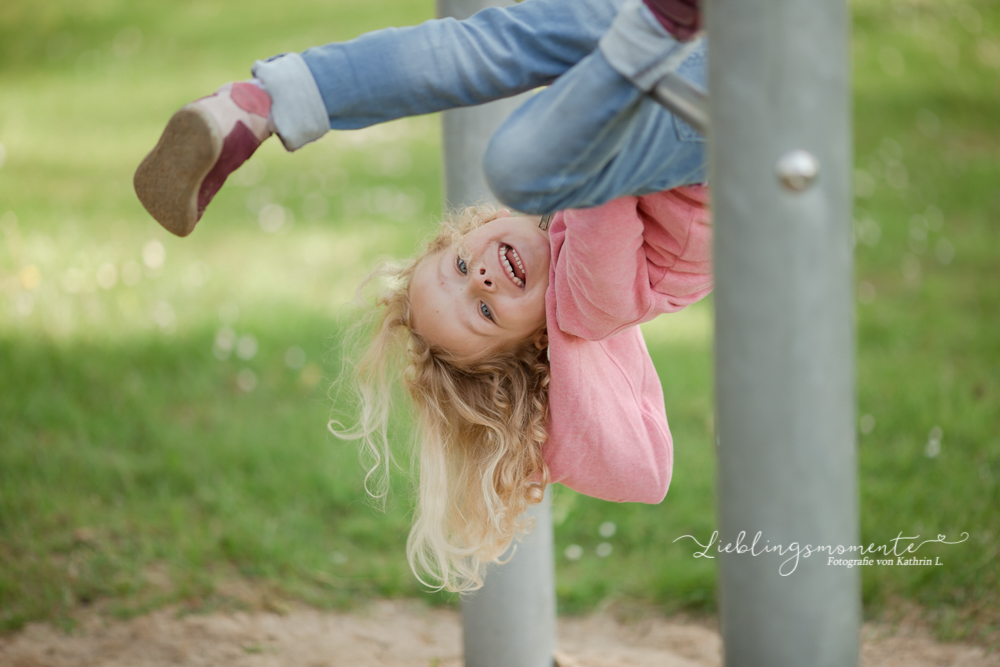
x=511 y=621
x=466 y=131
x=683 y=99
x=780 y=160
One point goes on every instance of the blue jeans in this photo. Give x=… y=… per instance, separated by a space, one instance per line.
x=591 y=136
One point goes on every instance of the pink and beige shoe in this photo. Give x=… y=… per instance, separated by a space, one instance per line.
x=203 y=143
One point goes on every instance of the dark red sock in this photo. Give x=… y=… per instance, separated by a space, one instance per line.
x=681 y=18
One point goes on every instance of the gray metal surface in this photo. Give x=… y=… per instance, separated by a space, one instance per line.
x=511 y=621
x=467 y=131
x=778 y=83
x=684 y=99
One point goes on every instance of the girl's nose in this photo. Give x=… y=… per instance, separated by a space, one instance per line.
x=484 y=279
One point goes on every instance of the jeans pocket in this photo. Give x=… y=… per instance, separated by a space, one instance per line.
x=686 y=133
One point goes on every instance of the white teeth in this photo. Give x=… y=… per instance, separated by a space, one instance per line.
x=506 y=264
x=517 y=258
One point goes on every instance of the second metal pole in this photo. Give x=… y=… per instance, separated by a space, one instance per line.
x=511 y=621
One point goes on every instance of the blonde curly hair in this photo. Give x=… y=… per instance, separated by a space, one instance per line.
x=481 y=427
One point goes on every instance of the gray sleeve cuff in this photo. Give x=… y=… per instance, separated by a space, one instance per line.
x=297 y=109
x=640 y=49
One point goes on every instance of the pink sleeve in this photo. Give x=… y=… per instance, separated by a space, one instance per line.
x=613 y=267
x=678 y=245
x=608 y=432
x=600 y=280
x=627 y=261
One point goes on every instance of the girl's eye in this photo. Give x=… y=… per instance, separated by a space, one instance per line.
x=485 y=310
x=462 y=267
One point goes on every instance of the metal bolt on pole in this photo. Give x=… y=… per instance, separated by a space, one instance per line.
x=780 y=159
x=511 y=621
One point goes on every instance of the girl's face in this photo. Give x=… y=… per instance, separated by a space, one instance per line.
x=488 y=292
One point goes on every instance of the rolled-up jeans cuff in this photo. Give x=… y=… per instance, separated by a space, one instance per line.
x=297 y=108
x=640 y=49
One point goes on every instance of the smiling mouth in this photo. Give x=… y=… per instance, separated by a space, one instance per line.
x=513 y=267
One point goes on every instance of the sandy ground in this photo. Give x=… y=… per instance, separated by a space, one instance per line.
x=404 y=634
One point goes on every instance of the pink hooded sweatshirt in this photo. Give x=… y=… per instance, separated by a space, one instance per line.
x=613 y=267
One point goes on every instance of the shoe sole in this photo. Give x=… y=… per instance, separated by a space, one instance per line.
x=169 y=178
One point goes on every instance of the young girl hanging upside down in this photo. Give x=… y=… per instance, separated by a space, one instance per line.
x=518 y=341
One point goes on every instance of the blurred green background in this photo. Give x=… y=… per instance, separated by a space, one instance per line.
x=163 y=402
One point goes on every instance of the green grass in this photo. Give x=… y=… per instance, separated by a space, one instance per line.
x=929 y=360
x=141 y=463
